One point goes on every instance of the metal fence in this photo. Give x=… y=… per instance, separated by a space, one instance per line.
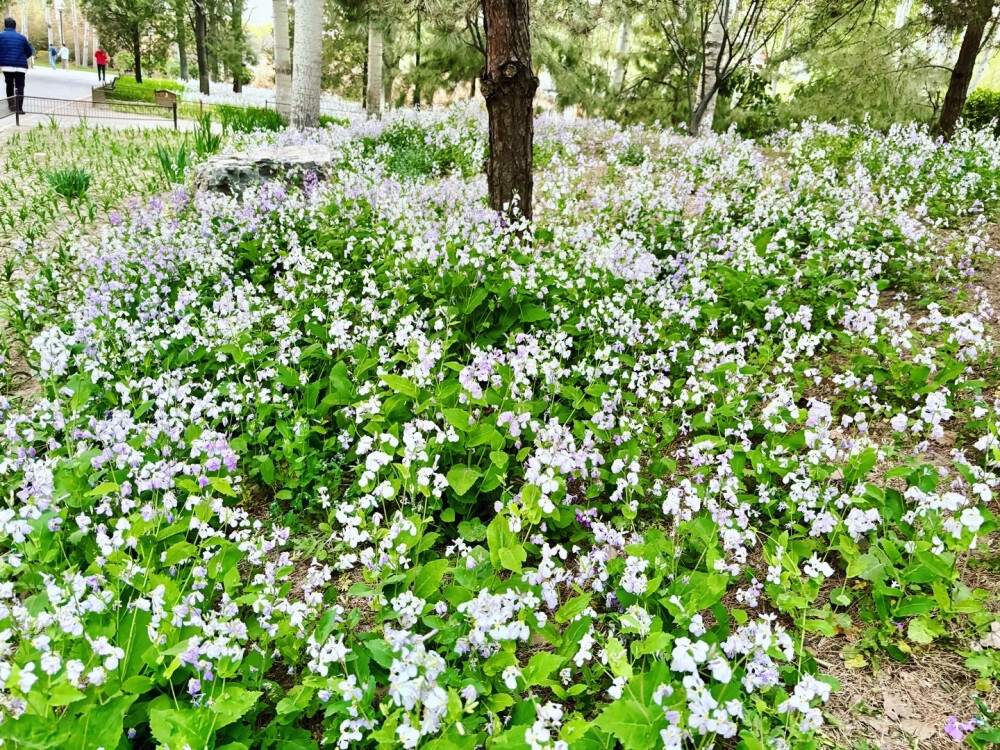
x=87 y=109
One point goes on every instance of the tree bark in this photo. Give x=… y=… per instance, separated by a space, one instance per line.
x=201 y=45
x=714 y=38
x=76 y=35
x=621 y=51
x=137 y=53
x=212 y=39
x=48 y=22
x=416 y=66
x=182 y=56
x=282 y=60
x=903 y=8
x=237 y=46
x=88 y=54
x=961 y=75
x=508 y=85
x=307 y=65
x=375 y=91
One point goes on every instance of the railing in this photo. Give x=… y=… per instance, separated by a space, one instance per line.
x=86 y=109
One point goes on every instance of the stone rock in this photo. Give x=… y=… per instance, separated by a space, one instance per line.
x=232 y=174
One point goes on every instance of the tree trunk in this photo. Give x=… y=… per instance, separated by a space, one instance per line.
x=24 y=17
x=621 y=51
x=416 y=66
x=137 y=54
x=76 y=35
x=282 y=61
x=710 y=69
x=509 y=84
x=237 y=46
x=182 y=56
x=48 y=22
x=88 y=54
x=903 y=8
x=388 y=79
x=961 y=75
x=375 y=90
x=212 y=38
x=982 y=64
x=201 y=45
x=307 y=65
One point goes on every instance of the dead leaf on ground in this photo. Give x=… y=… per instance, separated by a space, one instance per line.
x=918 y=730
x=895 y=707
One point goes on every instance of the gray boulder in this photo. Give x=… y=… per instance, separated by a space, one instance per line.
x=232 y=174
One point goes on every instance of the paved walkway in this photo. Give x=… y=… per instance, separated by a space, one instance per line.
x=59 y=84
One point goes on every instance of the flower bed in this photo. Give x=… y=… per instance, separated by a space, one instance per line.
x=362 y=464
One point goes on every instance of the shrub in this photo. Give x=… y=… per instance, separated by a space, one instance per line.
x=124 y=61
x=71 y=183
x=127 y=90
x=982 y=110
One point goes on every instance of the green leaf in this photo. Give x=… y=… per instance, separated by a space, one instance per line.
x=618 y=659
x=541 y=665
x=105 y=488
x=222 y=486
x=923 y=630
x=531 y=313
x=235 y=702
x=472 y=531
x=428 y=580
x=400 y=384
x=458 y=418
x=635 y=725
x=462 y=477
x=511 y=558
x=573 y=608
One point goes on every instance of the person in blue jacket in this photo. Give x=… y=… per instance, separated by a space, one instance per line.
x=15 y=49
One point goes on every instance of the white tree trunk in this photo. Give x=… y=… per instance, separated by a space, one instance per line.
x=981 y=65
x=375 y=91
x=903 y=8
x=24 y=17
x=88 y=54
x=621 y=52
x=307 y=66
x=282 y=60
x=714 y=37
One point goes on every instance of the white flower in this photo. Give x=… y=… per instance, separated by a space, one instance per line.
x=972 y=519
x=686 y=656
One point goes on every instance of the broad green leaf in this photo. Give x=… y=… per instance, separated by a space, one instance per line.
x=462 y=477
x=400 y=384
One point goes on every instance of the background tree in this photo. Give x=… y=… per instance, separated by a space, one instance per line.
x=508 y=85
x=974 y=16
x=181 y=35
x=282 y=60
x=124 y=24
x=201 y=43
x=307 y=63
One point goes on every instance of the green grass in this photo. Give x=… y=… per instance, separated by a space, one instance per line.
x=127 y=90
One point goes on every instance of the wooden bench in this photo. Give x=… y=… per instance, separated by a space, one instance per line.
x=100 y=93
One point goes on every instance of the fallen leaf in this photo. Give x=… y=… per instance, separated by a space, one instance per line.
x=918 y=730
x=895 y=708
x=991 y=639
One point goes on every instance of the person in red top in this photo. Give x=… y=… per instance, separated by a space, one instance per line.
x=101 y=58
